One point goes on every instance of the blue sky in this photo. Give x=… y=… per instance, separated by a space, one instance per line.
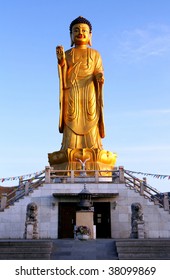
x=133 y=37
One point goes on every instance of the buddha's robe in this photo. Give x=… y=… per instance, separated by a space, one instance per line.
x=81 y=100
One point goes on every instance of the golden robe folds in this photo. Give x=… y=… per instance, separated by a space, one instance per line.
x=81 y=100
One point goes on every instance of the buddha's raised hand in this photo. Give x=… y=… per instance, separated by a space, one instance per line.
x=60 y=53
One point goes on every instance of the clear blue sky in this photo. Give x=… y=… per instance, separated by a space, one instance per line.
x=133 y=37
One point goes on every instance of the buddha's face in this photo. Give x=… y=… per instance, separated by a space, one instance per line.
x=81 y=34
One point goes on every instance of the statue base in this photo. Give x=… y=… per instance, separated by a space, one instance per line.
x=72 y=159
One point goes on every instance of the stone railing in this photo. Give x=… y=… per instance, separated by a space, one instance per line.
x=78 y=176
x=141 y=186
x=116 y=176
x=24 y=188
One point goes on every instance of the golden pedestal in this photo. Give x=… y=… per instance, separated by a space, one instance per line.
x=73 y=159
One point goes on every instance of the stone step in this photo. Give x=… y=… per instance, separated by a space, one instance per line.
x=24 y=256
x=143 y=256
x=143 y=242
x=25 y=249
x=29 y=250
x=25 y=243
x=70 y=249
x=143 y=249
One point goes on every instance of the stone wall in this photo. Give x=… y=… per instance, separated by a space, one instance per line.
x=12 y=220
x=157 y=221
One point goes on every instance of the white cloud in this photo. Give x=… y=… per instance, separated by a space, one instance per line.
x=157 y=111
x=154 y=40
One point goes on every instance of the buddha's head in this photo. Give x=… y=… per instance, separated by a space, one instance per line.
x=80 y=32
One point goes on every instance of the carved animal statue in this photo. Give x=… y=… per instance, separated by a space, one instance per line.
x=31 y=223
x=31 y=212
x=137 y=213
x=137 y=216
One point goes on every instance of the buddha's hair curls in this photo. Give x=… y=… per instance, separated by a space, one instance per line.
x=80 y=20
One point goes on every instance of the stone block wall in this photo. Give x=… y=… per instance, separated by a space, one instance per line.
x=12 y=220
x=156 y=219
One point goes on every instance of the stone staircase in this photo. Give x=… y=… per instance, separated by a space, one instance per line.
x=143 y=249
x=72 y=249
x=99 y=249
x=25 y=249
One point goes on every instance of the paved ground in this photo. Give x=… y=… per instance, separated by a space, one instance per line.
x=70 y=249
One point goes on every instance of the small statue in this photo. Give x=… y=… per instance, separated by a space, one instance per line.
x=31 y=224
x=136 y=219
x=31 y=215
x=83 y=164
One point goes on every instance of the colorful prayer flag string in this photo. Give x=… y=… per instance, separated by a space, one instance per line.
x=157 y=176
x=22 y=177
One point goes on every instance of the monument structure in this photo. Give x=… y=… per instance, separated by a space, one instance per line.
x=114 y=204
x=81 y=119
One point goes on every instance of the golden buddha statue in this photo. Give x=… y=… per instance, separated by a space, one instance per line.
x=81 y=99
x=81 y=79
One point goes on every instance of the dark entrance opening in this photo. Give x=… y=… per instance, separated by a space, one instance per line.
x=67 y=219
x=102 y=219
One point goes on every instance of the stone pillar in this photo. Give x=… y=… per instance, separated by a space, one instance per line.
x=72 y=176
x=115 y=175
x=145 y=180
x=121 y=174
x=142 y=187
x=85 y=218
x=47 y=175
x=140 y=230
x=29 y=230
x=166 y=202
x=3 y=201
x=27 y=184
x=96 y=176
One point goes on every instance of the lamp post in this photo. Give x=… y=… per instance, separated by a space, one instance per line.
x=85 y=199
